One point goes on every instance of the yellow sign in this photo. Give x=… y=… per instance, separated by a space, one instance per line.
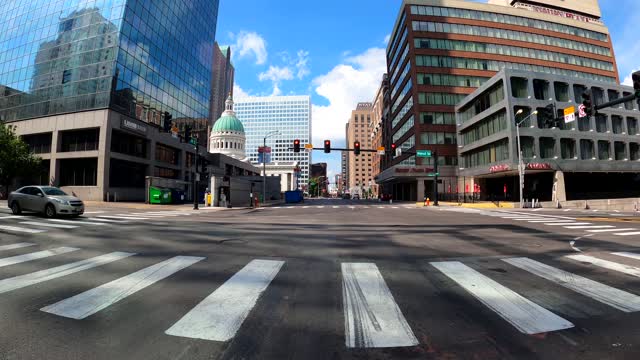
x=570 y=114
x=380 y=150
x=308 y=146
x=569 y=110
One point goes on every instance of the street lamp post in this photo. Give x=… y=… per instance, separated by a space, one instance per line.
x=521 y=167
x=264 y=164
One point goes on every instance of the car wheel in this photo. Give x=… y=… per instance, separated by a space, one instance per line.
x=15 y=208
x=49 y=211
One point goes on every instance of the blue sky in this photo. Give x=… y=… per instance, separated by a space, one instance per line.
x=335 y=52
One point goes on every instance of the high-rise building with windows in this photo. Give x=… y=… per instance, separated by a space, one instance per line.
x=290 y=116
x=221 y=81
x=442 y=50
x=91 y=82
x=360 y=166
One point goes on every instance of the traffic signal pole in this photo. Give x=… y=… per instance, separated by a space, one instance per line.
x=435 y=178
x=195 y=179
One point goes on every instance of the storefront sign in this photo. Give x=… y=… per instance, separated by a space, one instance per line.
x=132 y=125
x=539 y=166
x=560 y=13
x=499 y=168
x=413 y=170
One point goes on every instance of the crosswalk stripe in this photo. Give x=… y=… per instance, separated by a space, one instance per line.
x=219 y=316
x=609 y=230
x=83 y=222
x=548 y=221
x=18 y=282
x=92 y=301
x=590 y=227
x=525 y=315
x=525 y=219
x=372 y=319
x=40 y=223
x=628 y=254
x=35 y=256
x=15 y=246
x=336 y=207
x=626 y=269
x=108 y=220
x=611 y=296
x=628 y=233
x=7 y=217
x=122 y=217
x=319 y=207
x=567 y=223
x=380 y=207
x=20 y=229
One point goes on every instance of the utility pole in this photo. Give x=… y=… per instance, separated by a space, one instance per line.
x=435 y=178
x=195 y=176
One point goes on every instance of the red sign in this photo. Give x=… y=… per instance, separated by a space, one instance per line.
x=466 y=188
x=449 y=188
x=499 y=168
x=264 y=149
x=539 y=166
x=505 y=189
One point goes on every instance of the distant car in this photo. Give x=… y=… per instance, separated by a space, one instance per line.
x=346 y=196
x=356 y=197
x=47 y=200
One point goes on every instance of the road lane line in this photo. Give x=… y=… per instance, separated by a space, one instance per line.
x=37 y=277
x=628 y=233
x=39 y=223
x=94 y=212
x=628 y=254
x=548 y=221
x=336 y=207
x=83 y=222
x=626 y=269
x=122 y=217
x=92 y=301
x=525 y=315
x=609 y=230
x=108 y=220
x=568 y=223
x=590 y=227
x=219 y=316
x=7 y=217
x=372 y=319
x=15 y=246
x=20 y=229
x=35 y=256
x=611 y=296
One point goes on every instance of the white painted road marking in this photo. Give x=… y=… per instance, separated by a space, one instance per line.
x=567 y=223
x=15 y=246
x=20 y=229
x=219 y=316
x=108 y=220
x=91 y=301
x=627 y=269
x=611 y=296
x=372 y=319
x=590 y=227
x=548 y=221
x=121 y=217
x=94 y=212
x=39 y=223
x=35 y=256
x=37 y=277
x=628 y=254
x=83 y=222
x=609 y=230
x=628 y=233
x=523 y=314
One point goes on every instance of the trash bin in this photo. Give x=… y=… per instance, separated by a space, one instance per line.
x=155 y=195
x=166 y=196
x=177 y=196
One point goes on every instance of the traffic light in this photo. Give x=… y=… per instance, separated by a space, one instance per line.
x=356 y=148
x=636 y=85
x=547 y=114
x=166 y=125
x=187 y=133
x=393 y=148
x=327 y=146
x=296 y=145
x=588 y=103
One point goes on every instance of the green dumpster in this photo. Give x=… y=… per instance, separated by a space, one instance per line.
x=155 y=195
x=166 y=196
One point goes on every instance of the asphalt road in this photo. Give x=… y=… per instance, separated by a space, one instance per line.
x=328 y=279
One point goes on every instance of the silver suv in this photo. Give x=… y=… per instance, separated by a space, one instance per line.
x=48 y=200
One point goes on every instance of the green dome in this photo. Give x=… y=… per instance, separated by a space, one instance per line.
x=228 y=123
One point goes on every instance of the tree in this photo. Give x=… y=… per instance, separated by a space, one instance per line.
x=16 y=160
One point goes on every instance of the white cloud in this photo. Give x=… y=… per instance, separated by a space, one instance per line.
x=276 y=90
x=628 y=80
x=239 y=93
x=276 y=74
x=386 y=39
x=250 y=43
x=302 y=64
x=357 y=80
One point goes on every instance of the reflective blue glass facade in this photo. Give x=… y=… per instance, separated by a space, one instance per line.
x=140 y=58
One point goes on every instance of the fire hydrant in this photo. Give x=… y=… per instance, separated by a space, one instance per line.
x=257 y=203
x=427 y=202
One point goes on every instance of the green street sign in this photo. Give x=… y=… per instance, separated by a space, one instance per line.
x=433 y=174
x=193 y=141
x=423 y=153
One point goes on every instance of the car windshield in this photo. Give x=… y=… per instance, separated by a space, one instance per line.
x=53 y=191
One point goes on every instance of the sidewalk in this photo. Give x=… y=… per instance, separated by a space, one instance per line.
x=476 y=205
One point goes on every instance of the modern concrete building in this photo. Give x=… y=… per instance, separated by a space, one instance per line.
x=377 y=129
x=221 y=81
x=290 y=116
x=360 y=166
x=344 y=161
x=442 y=50
x=594 y=157
x=90 y=83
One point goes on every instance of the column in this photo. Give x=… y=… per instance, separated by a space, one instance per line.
x=54 y=167
x=559 y=190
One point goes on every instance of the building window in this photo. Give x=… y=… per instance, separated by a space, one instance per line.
x=634 y=148
x=620 y=150
x=613 y=94
x=126 y=174
x=519 y=87
x=491 y=153
x=528 y=147
x=79 y=140
x=568 y=148
x=38 y=143
x=584 y=124
x=603 y=150
x=128 y=144
x=483 y=102
x=601 y=123
x=578 y=90
x=586 y=150
x=526 y=112
x=433 y=118
x=632 y=126
x=562 y=91
x=629 y=105
x=78 y=172
x=167 y=154
x=597 y=95
x=437 y=138
x=541 y=89
x=547 y=147
x=487 y=127
x=617 y=125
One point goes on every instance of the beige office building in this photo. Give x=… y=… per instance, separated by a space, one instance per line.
x=360 y=166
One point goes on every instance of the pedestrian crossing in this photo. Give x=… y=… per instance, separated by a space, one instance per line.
x=552 y=220
x=372 y=316
x=351 y=207
x=36 y=225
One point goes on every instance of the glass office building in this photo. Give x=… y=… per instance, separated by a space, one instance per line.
x=291 y=115
x=88 y=84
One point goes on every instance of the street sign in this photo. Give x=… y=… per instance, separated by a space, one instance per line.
x=570 y=114
x=423 y=153
x=433 y=174
x=582 y=112
x=381 y=150
x=174 y=132
x=398 y=152
x=193 y=141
